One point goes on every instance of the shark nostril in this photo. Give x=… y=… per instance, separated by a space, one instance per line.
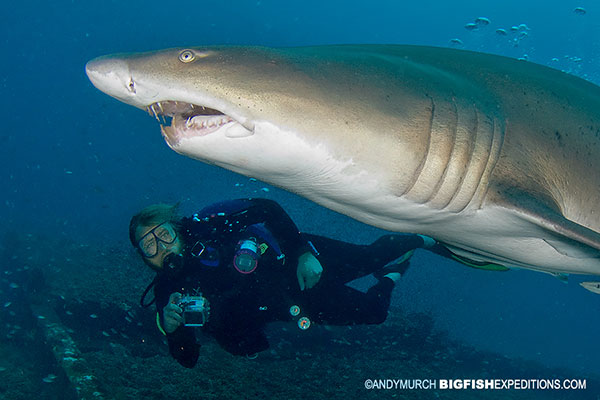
x=131 y=86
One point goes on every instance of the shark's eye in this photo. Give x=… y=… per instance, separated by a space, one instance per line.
x=186 y=56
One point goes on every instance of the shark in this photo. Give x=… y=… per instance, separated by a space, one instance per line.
x=497 y=158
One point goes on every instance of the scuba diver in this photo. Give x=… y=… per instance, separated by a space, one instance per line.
x=237 y=265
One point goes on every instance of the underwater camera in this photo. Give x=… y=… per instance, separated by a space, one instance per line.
x=195 y=310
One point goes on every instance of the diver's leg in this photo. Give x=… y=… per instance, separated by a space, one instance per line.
x=343 y=262
x=342 y=305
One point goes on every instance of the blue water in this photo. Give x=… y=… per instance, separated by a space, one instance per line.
x=77 y=164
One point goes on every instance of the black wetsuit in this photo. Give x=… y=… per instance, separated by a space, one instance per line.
x=242 y=304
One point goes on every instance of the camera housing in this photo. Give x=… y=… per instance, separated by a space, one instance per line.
x=195 y=310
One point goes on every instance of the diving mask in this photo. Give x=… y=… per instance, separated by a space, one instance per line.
x=161 y=234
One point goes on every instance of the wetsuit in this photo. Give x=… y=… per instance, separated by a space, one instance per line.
x=241 y=304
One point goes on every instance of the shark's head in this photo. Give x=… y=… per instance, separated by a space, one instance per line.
x=191 y=92
x=280 y=115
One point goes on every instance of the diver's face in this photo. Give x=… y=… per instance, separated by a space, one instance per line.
x=156 y=242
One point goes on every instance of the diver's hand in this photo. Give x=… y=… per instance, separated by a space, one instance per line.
x=172 y=313
x=309 y=270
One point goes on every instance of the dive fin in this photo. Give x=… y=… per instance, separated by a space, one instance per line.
x=564 y=278
x=443 y=251
x=405 y=257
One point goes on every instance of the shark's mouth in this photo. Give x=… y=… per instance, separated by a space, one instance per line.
x=179 y=119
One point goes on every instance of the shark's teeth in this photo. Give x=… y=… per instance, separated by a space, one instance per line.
x=152 y=111
x=170 y=108
x=187 y=120
x=207 y=122
x=199 y=125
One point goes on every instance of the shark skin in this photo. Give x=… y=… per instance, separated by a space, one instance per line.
x=497 y=158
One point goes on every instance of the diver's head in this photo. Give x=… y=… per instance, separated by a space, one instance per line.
x=154 y=233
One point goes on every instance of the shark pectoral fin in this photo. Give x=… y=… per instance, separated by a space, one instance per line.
x=565 y=236
x=593 y=287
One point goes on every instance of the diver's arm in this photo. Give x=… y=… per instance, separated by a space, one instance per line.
x=283 y=228
x=241 y=213
x=245 y=344
x=278 y=222
x=171 y=313
x=235 y=215
x=181 y=339
x=309 y=270
x=183 y=346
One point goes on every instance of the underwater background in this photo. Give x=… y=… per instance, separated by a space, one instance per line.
x=76 y=164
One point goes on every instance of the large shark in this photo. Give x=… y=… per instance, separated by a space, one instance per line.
x=495 y=157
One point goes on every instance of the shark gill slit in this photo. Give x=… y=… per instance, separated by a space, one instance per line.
x=485 y=140
x=497 y=140
x=446 y=155
x=460 y=155
x=459 y=201
x=452 y=133
x=479 y=160
x=419 y=170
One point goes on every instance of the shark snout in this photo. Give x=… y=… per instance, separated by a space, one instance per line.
x=112 y=76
